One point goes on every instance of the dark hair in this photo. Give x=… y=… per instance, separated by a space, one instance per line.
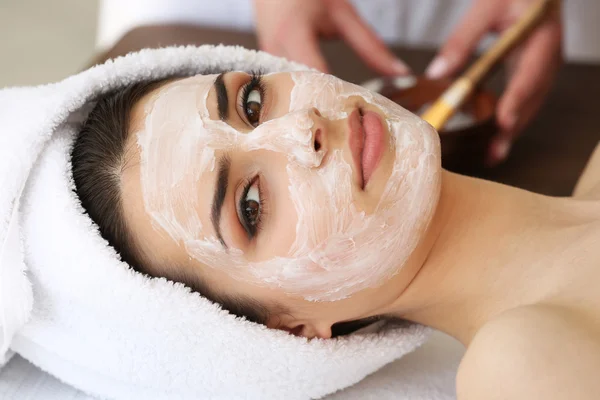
x=98 y=158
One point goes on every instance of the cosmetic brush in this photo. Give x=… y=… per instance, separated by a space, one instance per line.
x=461 y=89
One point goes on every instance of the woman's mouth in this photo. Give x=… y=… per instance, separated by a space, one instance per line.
x=366 y=143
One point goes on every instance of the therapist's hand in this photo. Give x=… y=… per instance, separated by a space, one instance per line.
x=532 y=66
x=292 y=29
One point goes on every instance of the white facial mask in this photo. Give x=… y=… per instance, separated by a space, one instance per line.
x=338 y=250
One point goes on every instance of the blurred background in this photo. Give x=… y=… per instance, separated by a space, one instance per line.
x=44 y=41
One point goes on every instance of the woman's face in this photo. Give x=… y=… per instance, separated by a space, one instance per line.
x=296 y=189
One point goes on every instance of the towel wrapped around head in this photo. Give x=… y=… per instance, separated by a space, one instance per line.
x=70 y=306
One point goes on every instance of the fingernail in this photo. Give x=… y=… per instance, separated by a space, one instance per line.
x=400 y=68
x=502 y=149
x=437 y=68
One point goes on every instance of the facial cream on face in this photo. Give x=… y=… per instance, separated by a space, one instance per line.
x=338 y=250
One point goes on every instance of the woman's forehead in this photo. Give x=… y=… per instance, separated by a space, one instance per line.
x=170 y=93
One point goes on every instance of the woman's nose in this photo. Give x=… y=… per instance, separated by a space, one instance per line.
x=319 y=130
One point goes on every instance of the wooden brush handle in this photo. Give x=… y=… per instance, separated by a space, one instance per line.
x=511 y=37
x=455 y=96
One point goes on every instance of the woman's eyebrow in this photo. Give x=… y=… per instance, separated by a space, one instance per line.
x=222 y=99
x=219 y=196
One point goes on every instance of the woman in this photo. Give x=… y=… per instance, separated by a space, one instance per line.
x=72 y=307
x=301 y=201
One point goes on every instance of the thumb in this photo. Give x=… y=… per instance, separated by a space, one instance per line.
x=463 y=41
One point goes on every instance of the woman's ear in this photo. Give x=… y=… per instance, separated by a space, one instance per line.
x=308 y=330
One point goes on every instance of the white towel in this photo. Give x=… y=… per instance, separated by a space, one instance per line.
x=83 y=316
x=427 y=373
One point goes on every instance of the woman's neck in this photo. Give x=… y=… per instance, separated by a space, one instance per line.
x=493 y=251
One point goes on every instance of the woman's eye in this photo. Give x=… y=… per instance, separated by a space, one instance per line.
x=250 y=208
x=252 y=107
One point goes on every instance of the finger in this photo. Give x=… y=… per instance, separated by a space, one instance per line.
x=268 y=24
x=271 y=47
x=502 y=144
x=533 y=75
x=365 y=42
x=302 y=45
x=462 y=42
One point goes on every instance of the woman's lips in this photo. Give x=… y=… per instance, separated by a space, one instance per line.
x=373 y=147
x=356 y=141
x=366 y=143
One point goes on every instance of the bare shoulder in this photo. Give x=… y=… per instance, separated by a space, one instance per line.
x=534 y=352
x=588 y=184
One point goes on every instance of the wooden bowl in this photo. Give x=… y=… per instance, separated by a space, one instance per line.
x=464 y=146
